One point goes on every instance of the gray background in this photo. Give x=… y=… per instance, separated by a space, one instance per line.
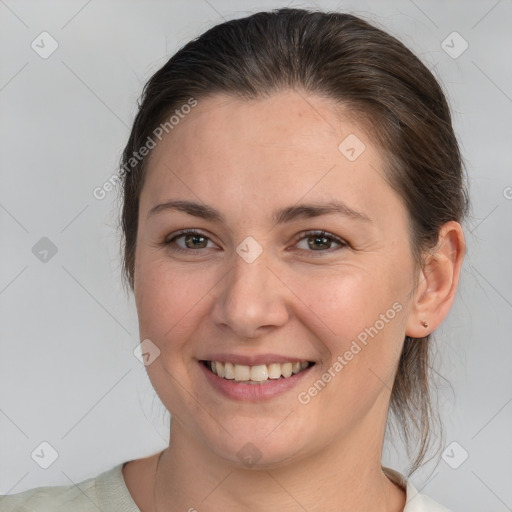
x=68 y=375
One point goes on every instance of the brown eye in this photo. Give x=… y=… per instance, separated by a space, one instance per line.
x=192 y=240
x=321 y=241
x=196 y=241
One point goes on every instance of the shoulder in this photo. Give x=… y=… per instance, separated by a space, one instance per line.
x=423 y=503
x=105 y=492
x=415 y=502
x=80 y=497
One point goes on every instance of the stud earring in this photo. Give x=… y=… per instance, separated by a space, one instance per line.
x=425 y=324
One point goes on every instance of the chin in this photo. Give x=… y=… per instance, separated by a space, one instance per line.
x=262 y=446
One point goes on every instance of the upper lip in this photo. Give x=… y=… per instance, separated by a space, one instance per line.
x=254 y=359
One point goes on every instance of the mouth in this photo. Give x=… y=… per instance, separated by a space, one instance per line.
x=256 y=374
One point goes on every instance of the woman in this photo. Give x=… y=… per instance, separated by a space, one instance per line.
x=293 y=199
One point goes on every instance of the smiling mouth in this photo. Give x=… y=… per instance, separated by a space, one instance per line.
x=258 y=373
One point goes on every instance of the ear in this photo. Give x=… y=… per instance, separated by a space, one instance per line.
x=437 y=282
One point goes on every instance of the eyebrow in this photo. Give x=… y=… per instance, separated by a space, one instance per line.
x=284 y=215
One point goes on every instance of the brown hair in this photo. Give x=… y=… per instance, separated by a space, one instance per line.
x=343 y=58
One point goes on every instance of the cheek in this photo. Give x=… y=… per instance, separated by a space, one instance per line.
x=170 y=301
x=362 y=327
x=359 y=315
x=349 y=299
x=170 y=306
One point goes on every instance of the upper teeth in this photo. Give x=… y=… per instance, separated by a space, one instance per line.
x=257 y=373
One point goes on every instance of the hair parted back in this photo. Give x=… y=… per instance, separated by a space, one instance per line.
x=365 y=70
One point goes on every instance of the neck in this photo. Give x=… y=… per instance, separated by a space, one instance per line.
x=343 y=478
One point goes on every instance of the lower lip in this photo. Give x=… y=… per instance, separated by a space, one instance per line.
x=253 y=392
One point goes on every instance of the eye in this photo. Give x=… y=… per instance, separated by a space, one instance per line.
x=193 y=240
x=316 y=241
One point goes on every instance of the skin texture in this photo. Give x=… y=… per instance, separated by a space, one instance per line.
x=247 y=159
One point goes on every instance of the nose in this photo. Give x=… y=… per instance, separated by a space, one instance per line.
x=251 y=299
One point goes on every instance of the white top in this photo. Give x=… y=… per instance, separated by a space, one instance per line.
x=108 y=493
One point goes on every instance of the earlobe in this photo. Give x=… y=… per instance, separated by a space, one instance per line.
x=438 y=282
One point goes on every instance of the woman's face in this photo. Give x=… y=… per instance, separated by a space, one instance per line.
x=253 y=288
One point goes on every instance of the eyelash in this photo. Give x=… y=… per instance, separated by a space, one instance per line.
x=305 y=235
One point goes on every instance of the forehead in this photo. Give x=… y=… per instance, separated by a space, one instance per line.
x=236 y=153
x=284 y=121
